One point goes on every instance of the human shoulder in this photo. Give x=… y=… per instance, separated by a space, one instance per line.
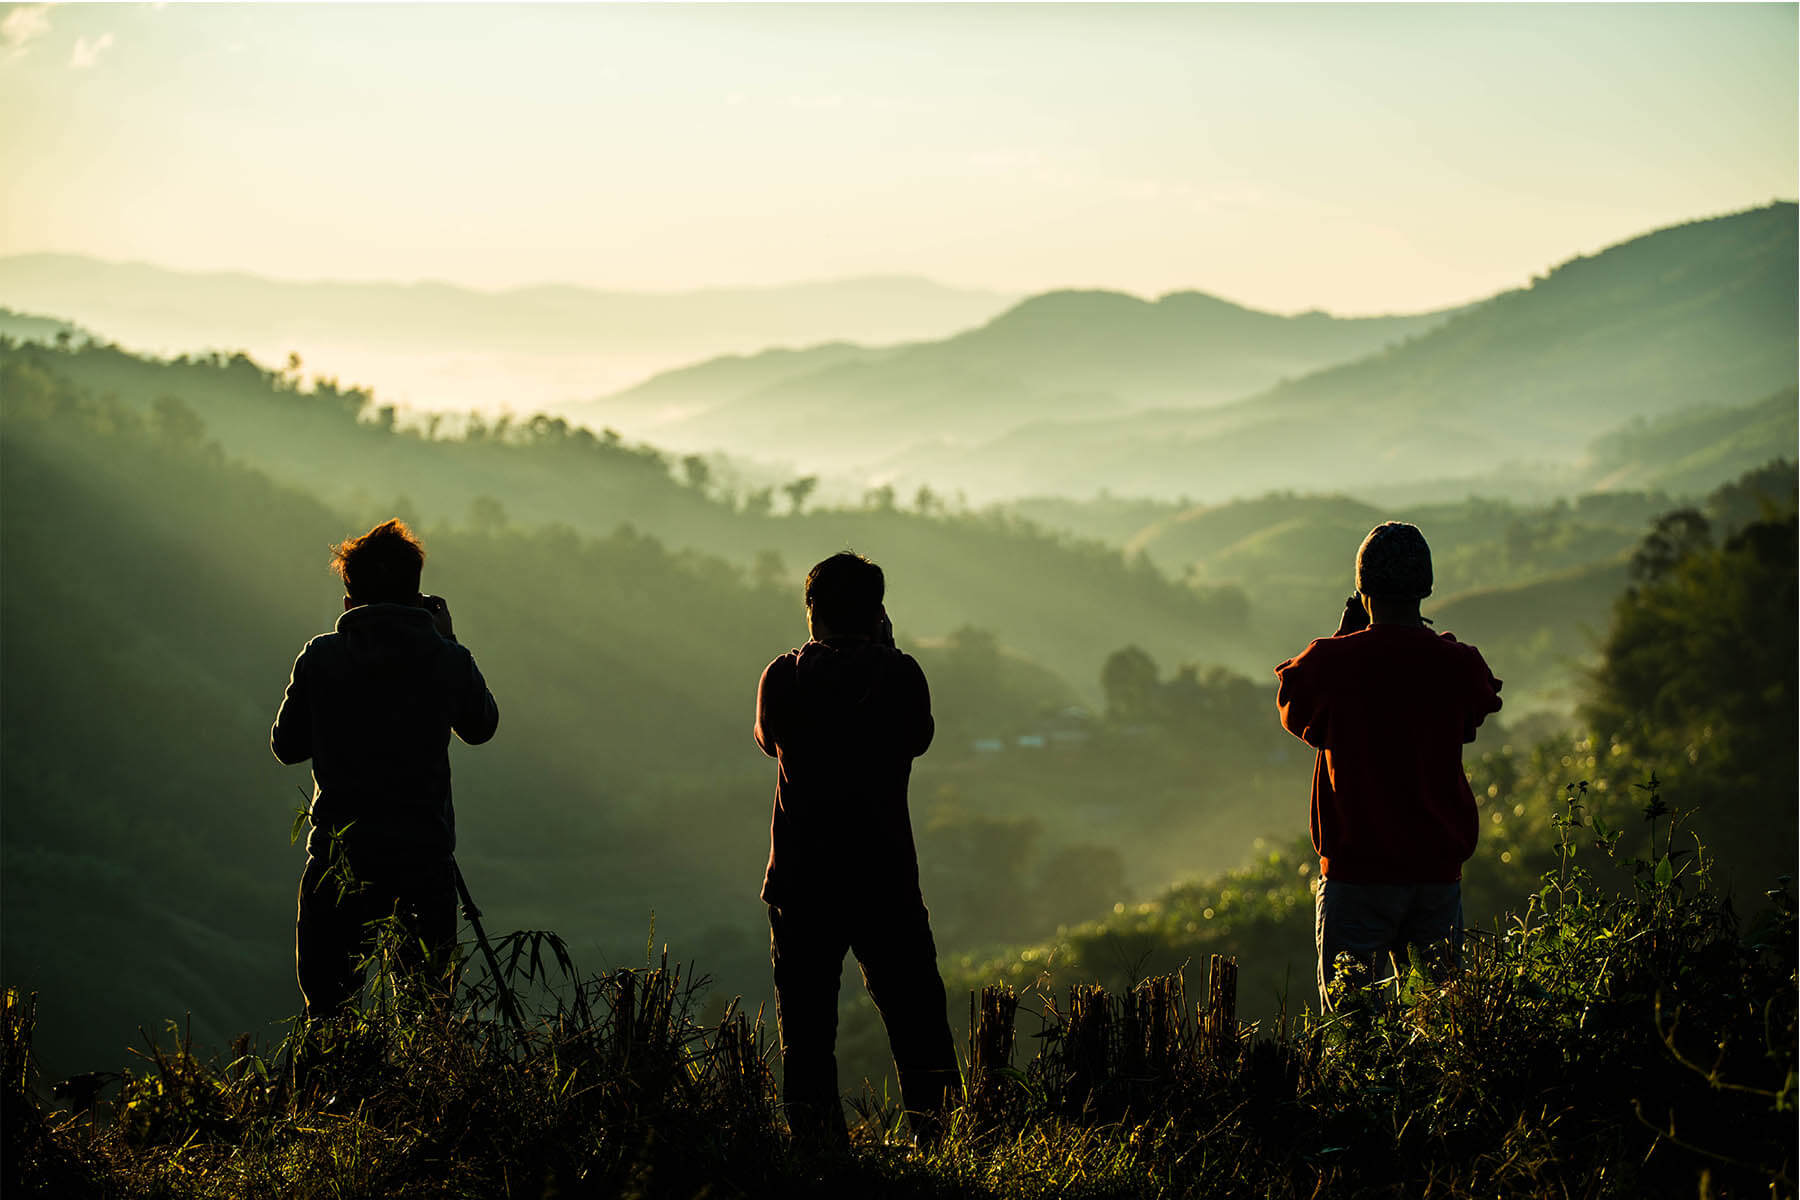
x=906 y=661
x=1449 y=641
x=1319 y=650
x=320 y=643
x=1465 y=653
x=781 y=667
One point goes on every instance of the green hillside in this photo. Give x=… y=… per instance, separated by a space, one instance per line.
x=1062 y=354
x=155 y=596
x=1201 y=532
x=1698 y=314
x=1702 y=312
x=25 y=327
x=1688 y=675
x=157 y=591
x=1545 y=657
x=1530 y=584
x=697 y=388
x=949 y=569
x=1689 y=451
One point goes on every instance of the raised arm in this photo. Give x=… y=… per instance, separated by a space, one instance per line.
x=771 y=693
x=1300 y=702
x=476 y=716
x=1484 y=694
x=291 y=736
x=919 y=726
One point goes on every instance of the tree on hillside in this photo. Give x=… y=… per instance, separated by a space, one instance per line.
x=760 y=502
x=976 y=868
x=798 y=491
x=1768 y=490
x=1675 y=537
x=1705 y=648
x=486 y=515
x=1129 y=679
x=175 y=422
x=1080 y=883
x=1697 y=675
x=769 y=570
x=697 y=472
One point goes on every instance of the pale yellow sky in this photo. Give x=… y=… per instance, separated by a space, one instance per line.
x=1355 y=158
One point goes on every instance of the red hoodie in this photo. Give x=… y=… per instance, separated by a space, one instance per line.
x=844 y=718
x=1388 y=708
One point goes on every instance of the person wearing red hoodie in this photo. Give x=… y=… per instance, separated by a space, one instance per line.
x=1388 y=706
x=844 y=716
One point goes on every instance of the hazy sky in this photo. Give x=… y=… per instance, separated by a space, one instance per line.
x=1287 y=156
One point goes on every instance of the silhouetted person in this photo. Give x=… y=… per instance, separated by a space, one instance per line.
x=1388 y=705
x=845 y=715
x=373 y=704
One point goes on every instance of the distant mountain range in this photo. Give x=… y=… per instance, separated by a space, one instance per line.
x=898 y=381
x=1699 y=315
x=1073 y=392
x=1064 y=354
x=542 y=343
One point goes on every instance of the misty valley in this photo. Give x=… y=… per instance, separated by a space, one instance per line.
x=1103 y=521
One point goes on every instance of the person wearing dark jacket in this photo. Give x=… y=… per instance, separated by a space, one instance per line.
x=373 y=704
x=1388 y=705
x=844 y=716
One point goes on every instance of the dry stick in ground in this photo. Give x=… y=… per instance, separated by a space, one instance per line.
x=1219 y=1026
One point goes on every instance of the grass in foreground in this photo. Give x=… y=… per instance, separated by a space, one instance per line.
x=1596 y=1045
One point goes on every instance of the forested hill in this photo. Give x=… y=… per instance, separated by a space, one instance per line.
x=1038 y=590
x=1699 y=315
x=157 y=590
x=1061 y=354
x=155 y=597
x=28 y=328
x=1232 y=584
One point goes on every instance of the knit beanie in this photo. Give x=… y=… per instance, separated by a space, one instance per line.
x=1394 y=561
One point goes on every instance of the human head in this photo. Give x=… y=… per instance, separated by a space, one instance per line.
x=382 y=566
x=843 y=594
x=1394 y=563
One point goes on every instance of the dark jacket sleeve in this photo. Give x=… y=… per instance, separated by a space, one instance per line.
x=476 y=716
x=1301 y=701
x=291 y=736
x=919 y=726
x=771 y=694
x=1484 y=694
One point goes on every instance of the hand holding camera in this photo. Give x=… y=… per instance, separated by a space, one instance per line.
x=884 y=629
x=1355 y=616
x=440 y=614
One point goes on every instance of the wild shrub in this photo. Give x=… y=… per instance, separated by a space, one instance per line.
x=1600 y=1042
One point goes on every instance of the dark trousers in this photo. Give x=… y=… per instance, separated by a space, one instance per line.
x=336 y=927
x=1375 y=921
x=899 y=967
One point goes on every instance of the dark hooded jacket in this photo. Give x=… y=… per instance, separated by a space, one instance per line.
x=844 y=719
x=373 y=705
